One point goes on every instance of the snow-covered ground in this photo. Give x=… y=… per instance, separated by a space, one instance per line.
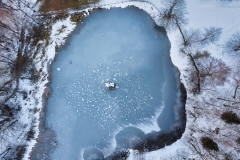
x=200 y=14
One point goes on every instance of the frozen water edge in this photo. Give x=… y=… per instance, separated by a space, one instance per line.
x=227 y=21
x=147 y=71
x=59 y=39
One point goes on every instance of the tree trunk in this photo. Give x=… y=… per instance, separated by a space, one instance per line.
x=179 y=28
x=235 y=91
x=198 y=73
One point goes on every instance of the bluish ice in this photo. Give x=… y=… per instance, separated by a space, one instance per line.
x=122 y=46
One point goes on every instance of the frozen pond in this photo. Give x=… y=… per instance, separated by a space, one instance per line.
x=125 y=47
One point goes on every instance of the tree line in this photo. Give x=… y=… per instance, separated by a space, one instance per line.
x=205 y=73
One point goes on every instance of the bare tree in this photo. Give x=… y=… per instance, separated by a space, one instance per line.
x=233 y=44
x=195 y=76
x=207 y=71
x=191 y=37
x=195 y=37
x=236 y=80
x=16 y=19
x=173 y=15
x=213 y=71
x=211 y=35
x=18 y=8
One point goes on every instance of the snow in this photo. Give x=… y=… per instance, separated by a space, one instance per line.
x=28 y=103
x=61 y=30
x=223 y=15
x=201 y=14
x=92 y=122
x=110 y=84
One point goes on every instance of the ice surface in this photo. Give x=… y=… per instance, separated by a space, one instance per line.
x=122 y=45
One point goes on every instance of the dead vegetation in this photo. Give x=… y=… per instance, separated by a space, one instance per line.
x=57 y=5
x=77 y=17
x=40 y=33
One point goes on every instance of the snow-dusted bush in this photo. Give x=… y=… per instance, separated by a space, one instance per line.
x=238 y=141
x=230 y=117
x=200 y=54
x=77 y=17
x=208 y=143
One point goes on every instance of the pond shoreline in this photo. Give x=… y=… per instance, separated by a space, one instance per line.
x=47 y=136
x=45 y=142
x=159 y=139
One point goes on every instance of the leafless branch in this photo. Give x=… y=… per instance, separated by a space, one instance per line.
x=233 y=44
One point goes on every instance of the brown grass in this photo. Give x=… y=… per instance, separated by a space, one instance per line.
x=77 y=17
x=56 y=5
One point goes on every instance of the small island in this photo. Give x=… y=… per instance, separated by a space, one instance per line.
x=111 y=85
